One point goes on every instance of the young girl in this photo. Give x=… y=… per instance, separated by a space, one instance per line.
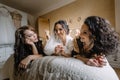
x=27 y=47
x=97 y=38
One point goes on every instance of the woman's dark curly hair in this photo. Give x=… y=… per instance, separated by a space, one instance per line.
x=106 y=38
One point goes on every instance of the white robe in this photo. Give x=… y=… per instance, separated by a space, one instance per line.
x=53 y=42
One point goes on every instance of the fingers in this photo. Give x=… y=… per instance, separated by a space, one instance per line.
x=24 y=63
x=95 y=62
x=102 y=61
x=59 y=49
x=28 y=41
x=92 y=62
x=24 y=66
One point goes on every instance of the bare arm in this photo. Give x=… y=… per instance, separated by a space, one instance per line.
x=99 y=61
x=34 y=49
x=24 y=63
x=85 y=60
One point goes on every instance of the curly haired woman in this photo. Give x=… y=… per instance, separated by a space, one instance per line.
x=97 y=38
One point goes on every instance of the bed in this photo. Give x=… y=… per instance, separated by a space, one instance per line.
x=60 y=68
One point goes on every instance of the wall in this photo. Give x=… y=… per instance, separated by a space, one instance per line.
x=117 y=15
x=31 y=20
x=75 y=12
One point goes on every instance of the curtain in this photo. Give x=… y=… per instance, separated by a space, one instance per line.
x=7 y=29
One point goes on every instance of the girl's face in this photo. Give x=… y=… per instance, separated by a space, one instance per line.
x=85 y=35
x=59 y=31
x=31 y=35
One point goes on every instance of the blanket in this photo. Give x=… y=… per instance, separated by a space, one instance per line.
x=61 y=68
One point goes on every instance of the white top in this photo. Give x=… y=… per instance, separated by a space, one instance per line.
x=49 y=48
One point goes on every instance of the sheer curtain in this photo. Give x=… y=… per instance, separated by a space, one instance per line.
x=7 y=29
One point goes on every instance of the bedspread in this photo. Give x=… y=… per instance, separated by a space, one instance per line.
x=61 y=68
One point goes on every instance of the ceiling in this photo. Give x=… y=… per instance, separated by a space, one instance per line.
x=36 y=6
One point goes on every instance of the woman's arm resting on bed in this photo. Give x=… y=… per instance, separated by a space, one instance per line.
x=92 y=61
x=24 y=63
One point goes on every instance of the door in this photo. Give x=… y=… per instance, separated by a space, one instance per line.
x=43 y=26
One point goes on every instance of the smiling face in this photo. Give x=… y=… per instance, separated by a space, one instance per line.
x=59 y=31
x=31 y=35
x=85 y=35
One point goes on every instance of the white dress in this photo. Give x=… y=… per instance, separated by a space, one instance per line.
x=7 y=29
x=53 y=42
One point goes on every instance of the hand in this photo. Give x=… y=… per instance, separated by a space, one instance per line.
x=92 y=62
x=28 y=41
x=24 y=63
x=62 y=52
x=58 y=49
x=99 y=61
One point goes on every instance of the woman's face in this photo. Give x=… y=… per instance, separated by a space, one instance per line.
x=31 y=35
x=59 y=31
x=85 y=35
